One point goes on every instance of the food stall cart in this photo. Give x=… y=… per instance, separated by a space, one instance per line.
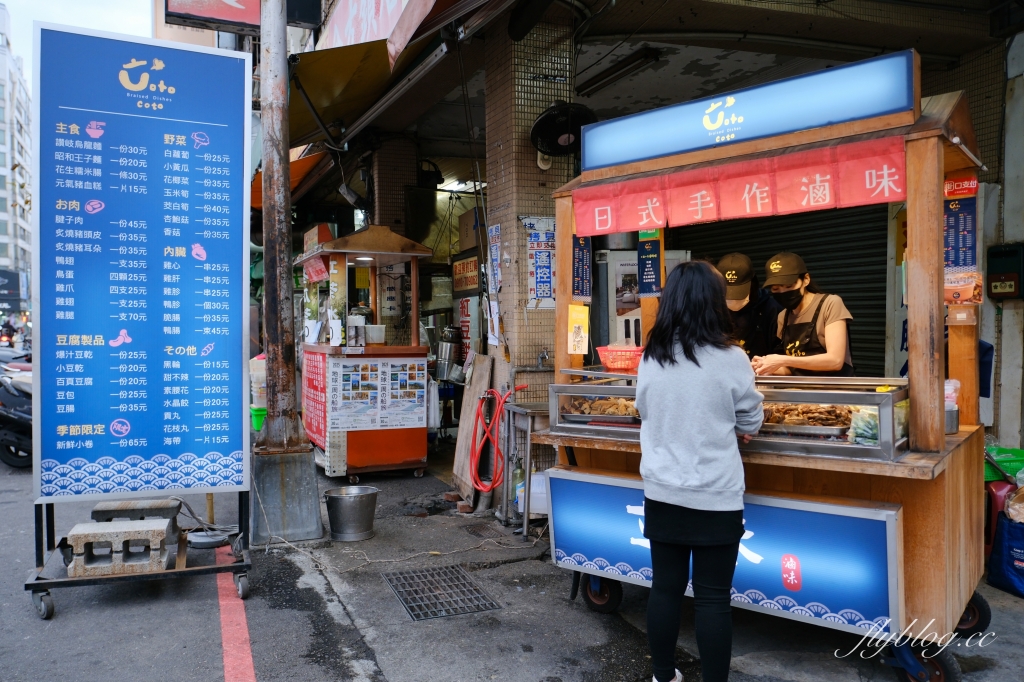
x=364 y=401
x=872 y=530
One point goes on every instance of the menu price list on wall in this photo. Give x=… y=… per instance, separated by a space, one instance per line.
x=142 y=283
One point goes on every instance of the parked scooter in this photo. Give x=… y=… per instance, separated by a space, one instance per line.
x=16 y=418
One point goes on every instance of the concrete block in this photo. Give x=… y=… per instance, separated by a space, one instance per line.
x=452 y=496
x=138 y=510
x=119 y=547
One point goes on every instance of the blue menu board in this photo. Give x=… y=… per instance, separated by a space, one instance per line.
x=140 y=266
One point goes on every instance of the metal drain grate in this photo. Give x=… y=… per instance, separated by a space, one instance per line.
x=438 y=592
x=484 y=530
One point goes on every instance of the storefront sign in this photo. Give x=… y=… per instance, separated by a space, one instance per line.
x=469 y=323
x=540 y=258
x=466 y=274
x=376 y=393
x=143 y=207
x=582 y=277
x=236 y=16
x=963 y=279
x=854 y=174
x=10 y=284
x=649 y=265
x=868 y=89
x=314 y=396
x=830 y=565
x=962 y=183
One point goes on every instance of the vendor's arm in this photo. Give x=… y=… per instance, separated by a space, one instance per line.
x=830 y=361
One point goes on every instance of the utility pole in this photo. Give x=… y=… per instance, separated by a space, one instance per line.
x=287 y=502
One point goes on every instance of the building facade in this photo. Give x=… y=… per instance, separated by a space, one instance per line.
x=15 y=158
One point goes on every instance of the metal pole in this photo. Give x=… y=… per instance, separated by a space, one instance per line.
x=286 y=504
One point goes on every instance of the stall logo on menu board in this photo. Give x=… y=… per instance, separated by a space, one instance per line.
x=137 y=76
x=714 y=122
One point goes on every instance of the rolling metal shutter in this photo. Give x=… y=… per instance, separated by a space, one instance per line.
x=844 y=249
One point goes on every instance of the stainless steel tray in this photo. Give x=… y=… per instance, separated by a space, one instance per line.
x=605 y=418
x=805 y=430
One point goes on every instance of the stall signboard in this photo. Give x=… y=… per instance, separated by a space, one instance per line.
x=582 y=279
x=649 y=264
x=839 y=176
x=371 y=393
x=236 y=16
x=827 y=564
x=140 y=266
x=868 y=89
x=466 y=275
x=962 y=273
x=540 y=258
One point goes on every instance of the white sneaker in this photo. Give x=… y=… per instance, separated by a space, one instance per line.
x=677 y=678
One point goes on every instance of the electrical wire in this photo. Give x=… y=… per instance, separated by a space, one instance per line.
x=213 y=530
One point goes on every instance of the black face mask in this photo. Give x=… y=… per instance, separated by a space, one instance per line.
x=788 y=299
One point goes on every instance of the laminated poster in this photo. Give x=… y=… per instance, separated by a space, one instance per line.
x=582 y=278
x=377 y=393
x=579 y=329
x=649 y=267
x=962 y=275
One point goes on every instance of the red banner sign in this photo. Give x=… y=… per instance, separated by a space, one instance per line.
x=855 y=174
x=314 y=397
x=960 y=184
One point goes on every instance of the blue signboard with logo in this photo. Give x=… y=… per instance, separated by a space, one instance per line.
x=140 y=266
x=827 y=564
x=867 y=89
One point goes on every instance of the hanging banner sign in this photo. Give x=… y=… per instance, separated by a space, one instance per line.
x=855 y=174
x=868 y=89
x=540 y=258
x=963 y=282
x=582 y=280
x=314 y=390
x=141 y=239
x=649 y=265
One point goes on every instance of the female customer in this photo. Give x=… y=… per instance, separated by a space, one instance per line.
x=695 y=395
x=814 y=328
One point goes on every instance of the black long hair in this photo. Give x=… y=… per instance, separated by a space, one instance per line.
x=692 y=313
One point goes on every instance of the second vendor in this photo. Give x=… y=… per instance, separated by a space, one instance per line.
x=814 y=327
x=754 y=313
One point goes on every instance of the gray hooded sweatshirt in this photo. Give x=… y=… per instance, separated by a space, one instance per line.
x=691 y=417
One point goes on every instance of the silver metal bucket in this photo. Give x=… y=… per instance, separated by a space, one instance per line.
x=350 y=511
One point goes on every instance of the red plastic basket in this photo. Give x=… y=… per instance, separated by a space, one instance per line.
x=620 y=359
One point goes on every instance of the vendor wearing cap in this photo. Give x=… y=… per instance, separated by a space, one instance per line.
x=754 y=313
x=813 y=328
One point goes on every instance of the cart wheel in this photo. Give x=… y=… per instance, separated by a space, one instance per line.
x=353 y=480
x=44 y=604
x=976 y=618
x=67 y=554
x=418 y=473
x=940 y=667
x=604 y=600
x=242 y=585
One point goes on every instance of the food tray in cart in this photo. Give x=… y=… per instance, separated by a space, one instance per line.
x=805 y=430
x=607 y=418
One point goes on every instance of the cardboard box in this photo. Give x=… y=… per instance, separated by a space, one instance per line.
x=468 y=229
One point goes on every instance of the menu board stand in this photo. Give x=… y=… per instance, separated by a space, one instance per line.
x=140 y=286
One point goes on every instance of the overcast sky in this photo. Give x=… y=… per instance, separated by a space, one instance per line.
x=133 y=17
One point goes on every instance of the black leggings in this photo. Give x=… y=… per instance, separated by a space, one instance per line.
x=712 y=578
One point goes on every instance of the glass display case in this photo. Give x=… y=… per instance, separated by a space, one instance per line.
x=601 y=404
x=823 y=416
x=845 y=417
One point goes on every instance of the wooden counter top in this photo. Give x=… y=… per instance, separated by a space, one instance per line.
x=918 y=465
x=367 y=351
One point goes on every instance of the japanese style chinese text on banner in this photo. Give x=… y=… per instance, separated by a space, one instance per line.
x=140 y=265
x=855 y=174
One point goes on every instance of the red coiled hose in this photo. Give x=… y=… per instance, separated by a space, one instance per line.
x=491 y=432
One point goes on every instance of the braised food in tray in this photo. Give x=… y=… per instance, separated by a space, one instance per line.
x=795 y=414
x=610 y=407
